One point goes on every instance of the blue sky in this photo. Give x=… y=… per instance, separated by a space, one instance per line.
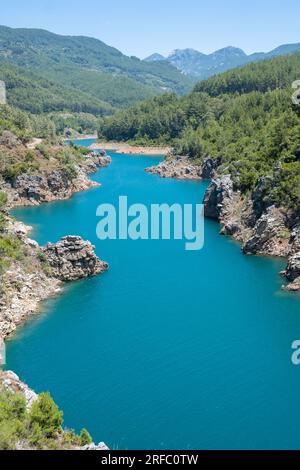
x=141 y=27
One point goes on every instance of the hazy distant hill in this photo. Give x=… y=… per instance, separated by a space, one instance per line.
x=154 y=58
x=203 y=66
x=89 y=65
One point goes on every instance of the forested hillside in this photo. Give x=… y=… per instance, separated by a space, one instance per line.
x=262 y=76
x=245 y=118
x=35 y=94
x=88 y=66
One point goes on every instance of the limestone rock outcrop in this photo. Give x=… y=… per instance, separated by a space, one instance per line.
x=177 y=168
x=58 y=184
x=260 y=227
x=292 y=271
x=270 y=235
x=35 y=189
x=10 y=381
x=23 y=293
x=72 y=258
x=208 y=169
x=217 y=197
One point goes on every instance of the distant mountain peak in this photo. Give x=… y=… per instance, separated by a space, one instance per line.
x=202 y=66
x=185 y=53
x=230 y=50
x=154 y=57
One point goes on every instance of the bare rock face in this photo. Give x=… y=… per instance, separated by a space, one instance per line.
x=73 y=258
x=270 y=235
x=217 y=197
x=11 y=382
x=95 y=161
x=292 y=271
x=293 y=267
x=260 y=196
x=57 y=184
x=32 y=187
x=177 y=168
x=209 y=168
x=8 y=139
x=58 y=181
x=23 y=293
x=37 y=188
x=101 y=446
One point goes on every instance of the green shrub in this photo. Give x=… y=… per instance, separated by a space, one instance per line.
x=29 y=157
x=46 y=415
x=11 y=247
x=16 y=169
x=71 y=171
x=39 y=428
x=8 y=437
x=44 y=150
x=12 y=418
x=85 y=437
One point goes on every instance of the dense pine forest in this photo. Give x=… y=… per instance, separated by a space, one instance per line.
x=245 y=118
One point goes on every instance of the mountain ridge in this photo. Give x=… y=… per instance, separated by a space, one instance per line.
x=89 y=65
x=202 y=66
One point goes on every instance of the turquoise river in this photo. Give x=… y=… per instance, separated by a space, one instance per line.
x=169 y=349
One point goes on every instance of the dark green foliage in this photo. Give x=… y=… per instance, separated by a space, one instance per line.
x=37 y=428
x=17 y=169
x=3 y=200
x=85 y=437
x=36 y=94
x=251 y=129
x=45 y=417
x=12 y=418
x=262 y=76
x=82 y=123
x=286 y=188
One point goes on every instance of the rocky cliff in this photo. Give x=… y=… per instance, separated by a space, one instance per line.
x=292 y=271
x=73 y=258
x=260 y=227
x=50 y=185
x=40 y=274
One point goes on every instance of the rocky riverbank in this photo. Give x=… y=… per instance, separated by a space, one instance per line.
x=260 y=227
x=262 y=230
x=57 y=184
x=35 y=273
x=31 y=274
x=40 y=274
x=182 y=168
